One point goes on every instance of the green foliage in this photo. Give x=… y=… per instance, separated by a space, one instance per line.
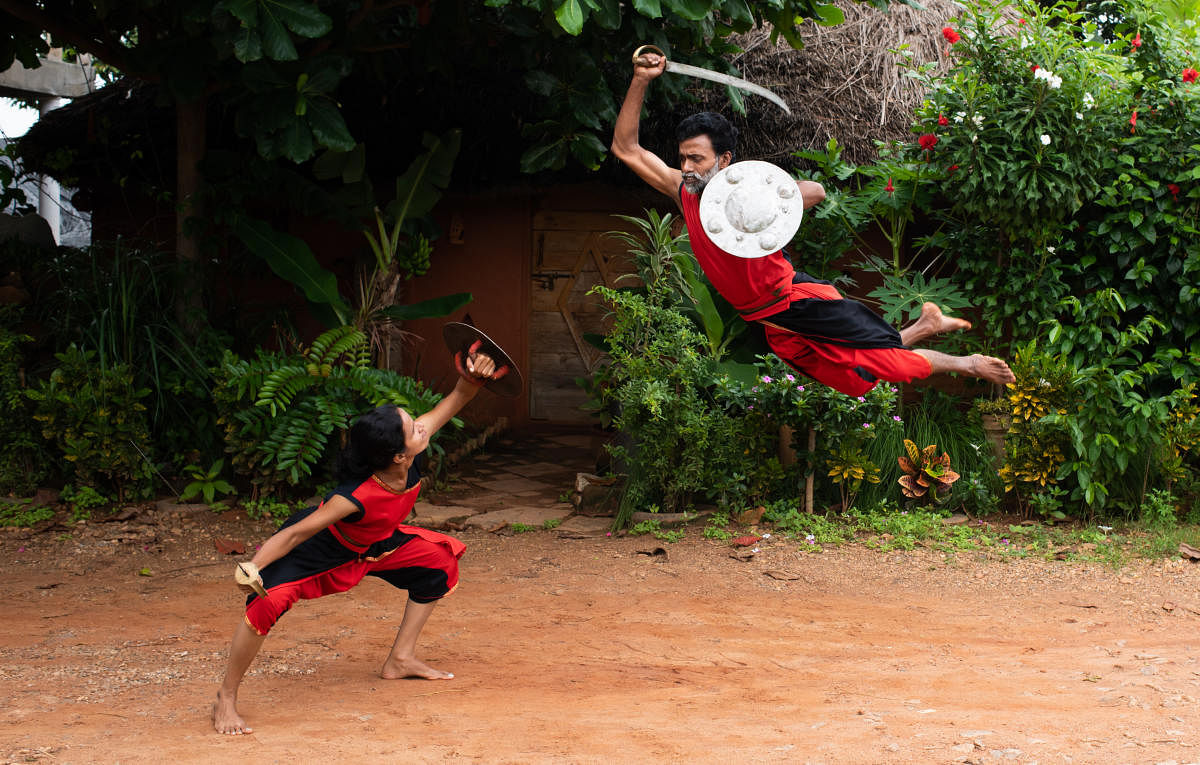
x=23 y=454
x=888 y=197
x=23 y=514
x=661 y=384
x=205 y=483
x=716 y=527
x=82 y=500
x=1091 y=429
x=1071 y=173
x=268 y=508
x=96 y=420
x=666 y=262
x=1158 y=510
x=284 y=414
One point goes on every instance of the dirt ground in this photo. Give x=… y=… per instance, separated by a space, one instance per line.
x=601 y=649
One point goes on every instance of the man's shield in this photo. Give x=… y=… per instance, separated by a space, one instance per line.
x=751 y=209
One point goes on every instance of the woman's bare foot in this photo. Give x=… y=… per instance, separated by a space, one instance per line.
x=394 y=669
x=225 y=716
x=990 y=368
x=932 y=322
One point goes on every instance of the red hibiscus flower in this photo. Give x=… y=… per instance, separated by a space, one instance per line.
x=1137 y=41
x=942 y=120
x=1133 y=122
x=889 y=188
x=1188 y=75
x=950 y=35
x=927 y=141
x=1171 y=187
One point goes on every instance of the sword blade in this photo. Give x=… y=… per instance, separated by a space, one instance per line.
x=725 y=79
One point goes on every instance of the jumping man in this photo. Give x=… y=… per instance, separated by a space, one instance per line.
x=836 y=341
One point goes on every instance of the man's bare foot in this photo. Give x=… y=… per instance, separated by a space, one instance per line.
x=394 y=669
x=990 y=368
x=225 y=716
x=932 y=322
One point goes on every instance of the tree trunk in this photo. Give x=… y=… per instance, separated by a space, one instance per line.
x=190 y=145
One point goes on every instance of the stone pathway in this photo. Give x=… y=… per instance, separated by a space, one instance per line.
x=522 y=477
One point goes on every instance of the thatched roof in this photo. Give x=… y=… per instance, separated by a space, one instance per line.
x=846 y=83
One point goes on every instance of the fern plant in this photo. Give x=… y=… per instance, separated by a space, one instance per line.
x=286 y=414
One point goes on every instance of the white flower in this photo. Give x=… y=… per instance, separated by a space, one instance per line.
x=958 y=116
x=1045 y=140
x=1088 y=101
x=1078 y=115
x=978 y=120
x=1053 y=80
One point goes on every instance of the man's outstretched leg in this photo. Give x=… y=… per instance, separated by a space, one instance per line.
x=932 y=322
x=987 y=368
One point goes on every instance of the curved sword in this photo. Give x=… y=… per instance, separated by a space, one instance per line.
x=708 y=74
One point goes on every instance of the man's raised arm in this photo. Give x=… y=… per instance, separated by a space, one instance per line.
x=625 y=147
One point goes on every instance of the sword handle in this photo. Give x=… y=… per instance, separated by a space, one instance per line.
x=637 y=54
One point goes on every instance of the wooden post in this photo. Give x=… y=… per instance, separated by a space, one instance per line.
x=808 y=478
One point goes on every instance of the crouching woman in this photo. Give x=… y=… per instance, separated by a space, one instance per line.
x=358 y=531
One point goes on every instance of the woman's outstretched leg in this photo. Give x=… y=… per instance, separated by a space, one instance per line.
x=402 y=660
x=242 y=651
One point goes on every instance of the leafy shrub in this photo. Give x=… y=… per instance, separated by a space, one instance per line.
x=205 y=483
x=118 y=300
x=1064 y=167
x=82 y=500
x=685 y=443
x=96 y=420
x=23 y=455
x=283 y=414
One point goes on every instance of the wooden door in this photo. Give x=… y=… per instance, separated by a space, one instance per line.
x=571 y=254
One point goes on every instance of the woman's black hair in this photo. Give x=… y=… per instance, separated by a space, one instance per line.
x=375 y=439
x=718 y=129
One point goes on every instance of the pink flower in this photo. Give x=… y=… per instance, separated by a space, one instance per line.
x=1188 y=75
x=928 y=141
x=942 y=120
x=1137 y=41
x=950 y=35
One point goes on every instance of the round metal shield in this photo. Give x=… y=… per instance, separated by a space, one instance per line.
x=751 y=209
x=460 y=337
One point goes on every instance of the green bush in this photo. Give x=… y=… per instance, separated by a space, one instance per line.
x=96 y=421
x=284 y=414
x=685 y=443
x=118 y=300
x=1068 y=158
x=23 y=455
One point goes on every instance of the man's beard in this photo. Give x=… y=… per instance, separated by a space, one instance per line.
x=696 y=183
